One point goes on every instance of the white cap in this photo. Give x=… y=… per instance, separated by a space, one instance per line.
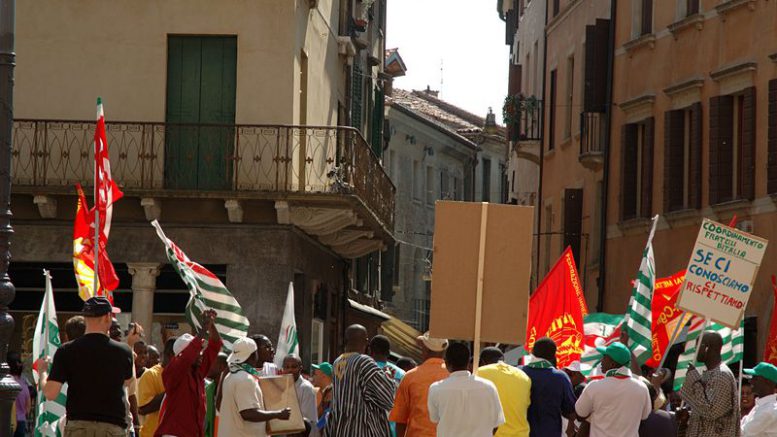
x=181 y=343
x=577 y=366
x=431 y=343
x=242 y=349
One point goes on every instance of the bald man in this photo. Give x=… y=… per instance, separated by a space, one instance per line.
x=712 y=395
x=363 y=393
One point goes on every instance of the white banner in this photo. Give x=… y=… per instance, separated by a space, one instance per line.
x=721 y=273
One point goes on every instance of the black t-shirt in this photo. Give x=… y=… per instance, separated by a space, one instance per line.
x=95 y=368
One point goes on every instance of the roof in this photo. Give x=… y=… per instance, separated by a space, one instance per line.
x=368 y=310
x=395 y=65
x=444 y=114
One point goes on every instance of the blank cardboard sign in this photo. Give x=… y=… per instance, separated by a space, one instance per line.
x=507 y=271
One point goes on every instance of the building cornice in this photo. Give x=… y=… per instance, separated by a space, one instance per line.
x=686 y=85
x=733 y=70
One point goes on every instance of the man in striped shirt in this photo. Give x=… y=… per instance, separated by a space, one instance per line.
x=363 y=393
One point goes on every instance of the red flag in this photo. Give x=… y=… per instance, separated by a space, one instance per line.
x=556 y=310
x=83 y=255
x=770 y=351
x=665 y=314
x=106 y=190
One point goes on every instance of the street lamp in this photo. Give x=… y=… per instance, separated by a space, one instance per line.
x=8 y=386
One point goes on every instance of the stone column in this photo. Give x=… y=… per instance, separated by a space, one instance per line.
x=143 y=287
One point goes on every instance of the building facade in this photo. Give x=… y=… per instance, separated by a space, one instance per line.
x=247 y=129
x=695 y=138
x=436 y=151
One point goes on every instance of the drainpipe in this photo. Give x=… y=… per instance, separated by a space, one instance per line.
x=542 y=144
x=605 y=176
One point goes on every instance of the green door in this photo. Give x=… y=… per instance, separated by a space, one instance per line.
x=201 y=77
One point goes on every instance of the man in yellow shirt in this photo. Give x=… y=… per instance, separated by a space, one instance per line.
x=514 y=388
x=151 y=391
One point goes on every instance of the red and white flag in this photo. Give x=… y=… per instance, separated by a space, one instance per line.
x=106 y=191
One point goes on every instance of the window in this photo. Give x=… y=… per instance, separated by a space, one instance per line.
x=548 y=235
x=504 y=183
x=682 y=158
x=732 y=147
x=430 y=194
x=646 y=22
x=457 y=194
x=691 y=7
x=317 y=341
x=445 y=190
x=573 y=221
x=486 y=180
x=569 y=95
x=637 y=169
x=552 y=111
x=418 y=182
x=422 y=307
x=556 y=7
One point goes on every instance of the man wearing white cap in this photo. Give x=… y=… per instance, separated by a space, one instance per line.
x=411 y=412
x=183 y=409
x=242 y=411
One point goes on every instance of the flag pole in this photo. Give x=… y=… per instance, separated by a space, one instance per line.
x=96 y=243
x=675 y=333
x=47 y=279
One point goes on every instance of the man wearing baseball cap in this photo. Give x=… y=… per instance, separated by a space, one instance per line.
x=762 y=420
x=96 y=369
x=410 y=412
x=242 y=411
x=615 y=405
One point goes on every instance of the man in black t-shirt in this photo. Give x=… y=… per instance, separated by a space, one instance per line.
x=96 y=370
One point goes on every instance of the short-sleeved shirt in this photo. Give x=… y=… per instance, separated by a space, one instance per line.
x=410 y=404
x=149 y=387
x=615 y=406
x=240 y=392
x=95 y=369
x=465 y=405
x=22 y=399
x=551 y=397
x=514 y=388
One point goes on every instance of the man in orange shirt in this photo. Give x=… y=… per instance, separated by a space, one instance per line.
x=410 y=411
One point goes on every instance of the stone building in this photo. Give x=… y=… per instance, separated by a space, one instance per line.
x=695 y=138
x=436 y=151
x=251 y=130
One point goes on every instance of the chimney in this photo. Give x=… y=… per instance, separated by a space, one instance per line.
x=431 y=92
x=490 y=124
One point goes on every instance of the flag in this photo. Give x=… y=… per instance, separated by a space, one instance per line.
x=732 y=351
x=665 y=315
x=206 y=291
x=638 y=314
x=45 y=343
x=288 y=343
x=770 y=351
x=601 y=329
x=83 y=255
x=557 y=309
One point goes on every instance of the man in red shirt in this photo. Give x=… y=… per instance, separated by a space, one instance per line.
x=183 y=409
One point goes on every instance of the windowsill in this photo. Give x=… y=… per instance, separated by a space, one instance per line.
x=635 y=226
x=738 y=207
x=550 y=153
x=695 y=21
x=683 y=217
x=566 y=142
x=725 y=8
x=648 y=40
x=417 y=202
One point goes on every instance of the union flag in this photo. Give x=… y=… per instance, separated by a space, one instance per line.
x=665 y=315
x=557 y=309
x=770 y=351
x=83 y=255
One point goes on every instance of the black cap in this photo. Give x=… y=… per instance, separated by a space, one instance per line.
x=98 y=306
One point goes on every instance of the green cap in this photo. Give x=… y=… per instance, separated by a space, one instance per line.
x=617 y=351
x=764 y=370
x=324 y=367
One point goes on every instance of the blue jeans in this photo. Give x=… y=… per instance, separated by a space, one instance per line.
x=21 y=429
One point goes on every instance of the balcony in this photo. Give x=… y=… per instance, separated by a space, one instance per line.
x=593 y=134
x=325 y=180
x=523 y=116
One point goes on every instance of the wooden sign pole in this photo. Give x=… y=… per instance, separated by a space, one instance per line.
x=479 y=295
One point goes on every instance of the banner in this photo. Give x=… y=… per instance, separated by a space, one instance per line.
x=601 y=329
x=770 y=350
x=638 y=313
x=721 y=272
x=557 y=309
x=665 y=315
x=45 y=343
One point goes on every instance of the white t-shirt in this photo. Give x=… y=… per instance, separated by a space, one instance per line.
x=615 y=405
x=463 y=405
x=240 y=391
x=762 y=420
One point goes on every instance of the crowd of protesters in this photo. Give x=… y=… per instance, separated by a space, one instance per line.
x=119 y=385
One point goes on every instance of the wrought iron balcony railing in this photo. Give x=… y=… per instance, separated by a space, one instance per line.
x=199 y=157
x=593 y=134
x=525 y=115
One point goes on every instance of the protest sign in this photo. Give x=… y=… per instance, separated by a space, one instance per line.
x=481 y=272
x=721 y=273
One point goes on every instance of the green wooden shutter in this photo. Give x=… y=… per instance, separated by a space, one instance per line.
x=357 y=97
x=377 y=123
